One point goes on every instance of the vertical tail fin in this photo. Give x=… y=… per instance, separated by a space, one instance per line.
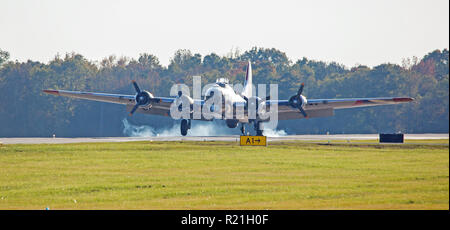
x=248 y=82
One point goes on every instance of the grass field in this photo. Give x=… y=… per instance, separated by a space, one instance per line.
x=223 y=175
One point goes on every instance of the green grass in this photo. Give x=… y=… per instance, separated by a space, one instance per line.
x=407 y=141
x=223 y=175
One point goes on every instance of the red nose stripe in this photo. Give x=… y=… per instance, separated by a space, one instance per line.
x=402 y=99
x=54 y=92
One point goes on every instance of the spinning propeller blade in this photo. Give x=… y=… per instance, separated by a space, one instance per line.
x=134 y=109
x=297 y=102
x=136 y=86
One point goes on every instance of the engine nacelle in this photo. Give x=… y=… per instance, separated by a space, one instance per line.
x=144 y=99
x=255 y=106
x=232 y=123
x=304 y=101
x=297 y=102
x=185 y=99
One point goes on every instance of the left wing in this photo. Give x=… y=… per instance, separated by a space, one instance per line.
x=103 y=97
x=160 y=105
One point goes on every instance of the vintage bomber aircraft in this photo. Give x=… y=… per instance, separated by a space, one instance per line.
x=296 y=107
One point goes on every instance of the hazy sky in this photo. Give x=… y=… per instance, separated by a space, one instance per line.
x=348 y=32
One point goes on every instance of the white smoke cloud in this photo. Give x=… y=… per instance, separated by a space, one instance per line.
x=274 y=133
x=137 y=131
x=197 y=129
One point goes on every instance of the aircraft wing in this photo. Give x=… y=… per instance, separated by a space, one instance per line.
x=326 y=107
x=161 y=105
x=313 y=108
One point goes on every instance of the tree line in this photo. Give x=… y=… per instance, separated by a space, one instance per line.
x=26 y=111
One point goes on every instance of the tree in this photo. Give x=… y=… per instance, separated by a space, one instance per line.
x=26 y=111
x=4 y=56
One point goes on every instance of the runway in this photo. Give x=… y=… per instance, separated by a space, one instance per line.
x=348 y=137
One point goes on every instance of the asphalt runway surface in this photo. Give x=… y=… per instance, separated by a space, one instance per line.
x=312 y=138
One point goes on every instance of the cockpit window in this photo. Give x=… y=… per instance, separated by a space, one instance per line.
x=222 y=82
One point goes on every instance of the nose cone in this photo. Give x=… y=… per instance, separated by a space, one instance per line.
x=142 y=98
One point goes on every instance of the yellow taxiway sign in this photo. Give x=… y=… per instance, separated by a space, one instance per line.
x=254 y=140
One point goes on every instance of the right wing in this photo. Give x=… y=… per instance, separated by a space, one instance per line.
x=326 y=107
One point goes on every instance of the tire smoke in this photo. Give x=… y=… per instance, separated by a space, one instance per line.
x=197 y=129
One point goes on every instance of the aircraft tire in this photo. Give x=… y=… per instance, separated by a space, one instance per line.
x=259 y=132
x=184 y=127
x=259 y=128
x=243 y=129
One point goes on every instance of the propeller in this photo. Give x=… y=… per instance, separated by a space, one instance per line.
x=143 y=98
x=257 y=101
x=300 y=90
x=179 y=90
x=247 y=101
x=136 y=86
x=180 y=93
x=183 y=98
x=297 y=102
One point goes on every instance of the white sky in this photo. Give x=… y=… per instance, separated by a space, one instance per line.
x=348 y=32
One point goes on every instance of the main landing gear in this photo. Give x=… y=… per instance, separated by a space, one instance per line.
x=185 y=126
x=243 y=129
x=259 y=128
